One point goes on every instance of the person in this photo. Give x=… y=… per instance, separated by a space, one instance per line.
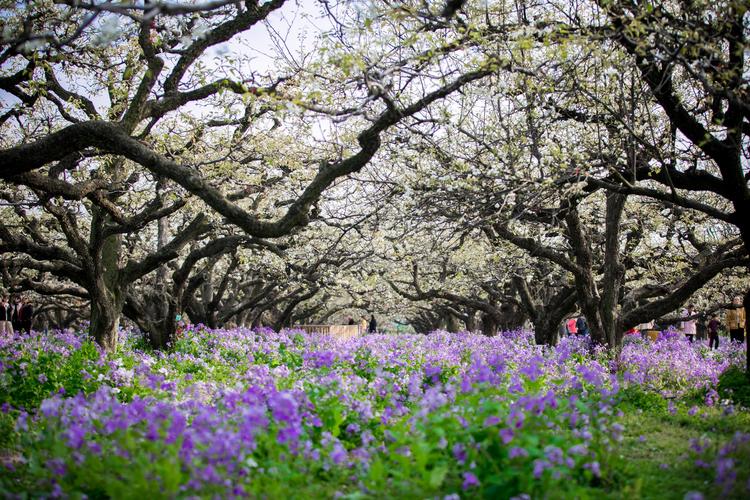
x=648 y=325
x=713 y=332
x=6 y=312
x=15 y=312
x=373 y=327
x=26 y=315
x=572 y=326
x=581 y=326
x=350 y=321
x=688 y=325
x=735 y=320
x=701 y=327
x=362 y=325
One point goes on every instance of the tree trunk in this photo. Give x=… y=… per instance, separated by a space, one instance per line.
x=545 y=330
x=207 y=296
x=452 y=324
x=156 y=323
x=745 y=233
x=513 y=317
x=107 y=296
x=471 y=320
x=243 y=318
x=547 y=320
x=106 y=309
x=162 y=331
x=489 y=325
x=585 y=282
x=614 y=271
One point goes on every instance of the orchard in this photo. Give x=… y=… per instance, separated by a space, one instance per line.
x=529 y=218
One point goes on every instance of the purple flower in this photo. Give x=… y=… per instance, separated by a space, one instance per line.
x=432 y=372
x=506 y=435
x=539 y=466
x=338 y=454
x=553 y=454
x=57 y=466
x=283 y=407
x=491 y=420
x=533 y=369
x=470 y=481
x=459 y=453
x=516 y=452
x=50 y=407
x=94 y=447
x=594 y=468
x=74 y=436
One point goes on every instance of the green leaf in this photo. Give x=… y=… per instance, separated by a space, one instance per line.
x=437 y=475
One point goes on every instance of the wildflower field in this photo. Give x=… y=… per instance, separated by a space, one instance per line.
x=255 y=413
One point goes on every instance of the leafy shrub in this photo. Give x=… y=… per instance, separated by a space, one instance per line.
x=636 y=397
x=735 y=385
x=30 y=376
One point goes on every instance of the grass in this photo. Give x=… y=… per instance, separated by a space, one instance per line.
x=654 y=461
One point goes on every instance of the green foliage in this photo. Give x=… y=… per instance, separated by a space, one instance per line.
x=31 y=378
x=7 y=429
x=636 y=397
x=734 y=384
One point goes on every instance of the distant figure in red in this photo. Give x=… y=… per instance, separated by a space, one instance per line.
x=572 y=328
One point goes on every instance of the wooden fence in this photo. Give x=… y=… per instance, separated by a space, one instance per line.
x=338 y=331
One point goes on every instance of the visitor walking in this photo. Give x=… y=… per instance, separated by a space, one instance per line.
x=373 y=327
x=735 y=320
x=701 y=327
x=572 y=329
x=563 y=330
x=645 y=327
x=688 y=325
x=713 y=332
x=25 y=315
x=6 y=312
x=362 y=325
x=15 y=313
x=581 y=326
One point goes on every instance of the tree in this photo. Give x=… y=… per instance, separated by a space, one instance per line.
x=153 y=85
